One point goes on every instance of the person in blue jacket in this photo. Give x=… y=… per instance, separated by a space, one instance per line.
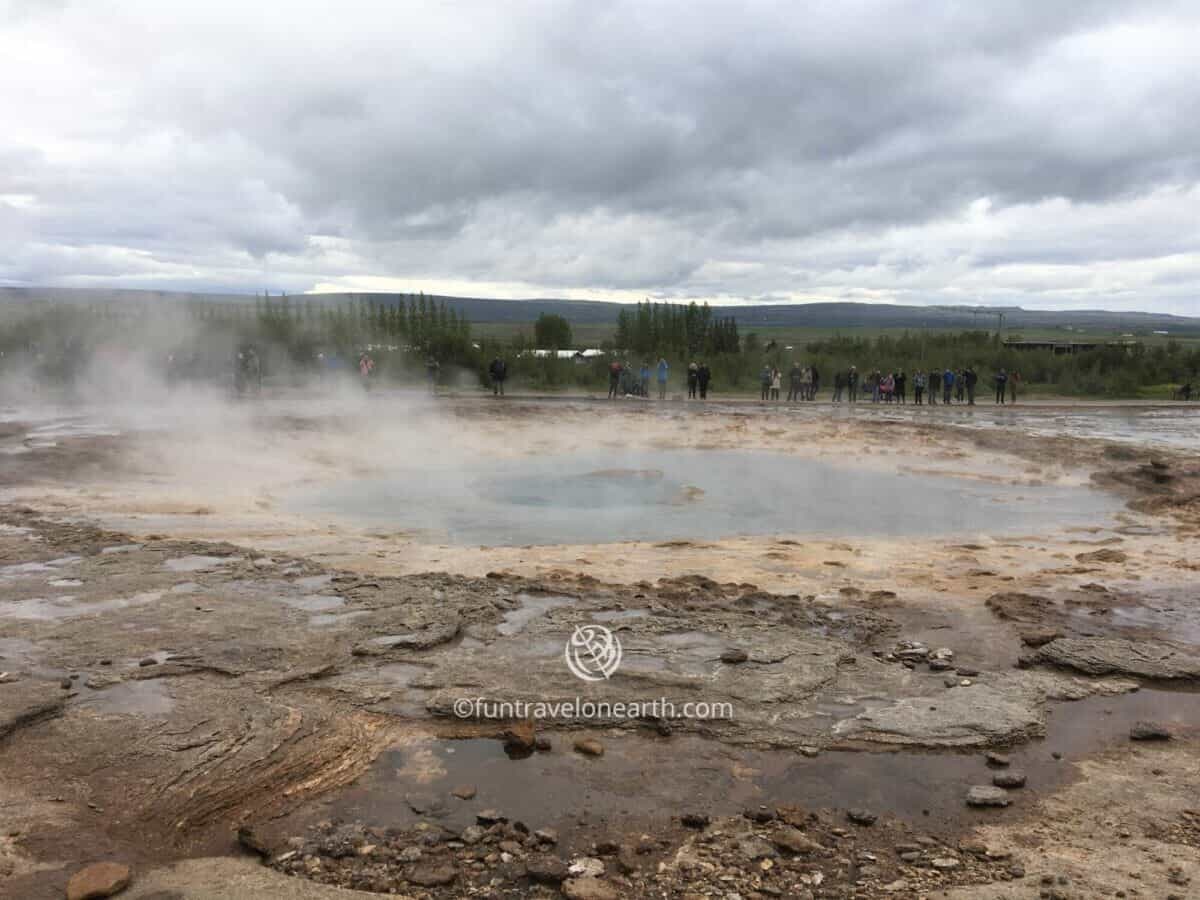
x=663 y=371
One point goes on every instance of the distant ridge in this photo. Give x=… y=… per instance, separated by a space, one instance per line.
x=584 y=312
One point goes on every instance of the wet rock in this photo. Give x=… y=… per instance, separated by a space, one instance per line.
x=694 y=820
x=1106 y=555
x=1009 y=779
x=464 y=791
x=795 y=841
x=99 y=880
x=252 y=841
x=987 y=714
x=734 y=656
x=987 y=795
x=432 y=875
x=589 y=889
x=148 y=661
x=997 y=759
x=1149 y=731
x=519 y=739
x=1109 y=656
x=1037 y=637
x=861 y=816
x=546 y=869
x=589 y=747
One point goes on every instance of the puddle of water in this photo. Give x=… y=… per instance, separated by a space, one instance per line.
x=146 y=697
x=327 y=620
x=65 y=607
x=197 y=563
x=619 y=615
x=315 y=602
x=638 y=783
x=16 y=570
x=665 y=494
x=530 y=607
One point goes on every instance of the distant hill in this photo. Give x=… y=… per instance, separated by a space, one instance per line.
x=589 y=312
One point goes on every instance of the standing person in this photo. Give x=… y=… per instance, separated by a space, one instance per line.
x=644 y=383
x=663 y=371
x=806 y=383
x=947 y=386
x=703 y=376
x=918 y=386
x=614 y=378
x=852 y=384
x=693 y=379
x=1001 y=379
x=960 y=385
x=764 y=381
x=366 y=367
x=971 y=378
x=875 y=381
x=816 y=384
x=1013 y=380
x=794 y=379
x=901 y=386
x=934 y=386
x=498 y=371
x=839 y=385
x=776 y=384
x=887 y=387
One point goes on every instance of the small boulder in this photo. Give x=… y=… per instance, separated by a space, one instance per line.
x=98 y=880
x=1149 y=731
x=734 y=655
x=796 y=841
x=694 y=820
x=1009 y=779
x=432 y=875
x=546 y=869
x=982 y=795
x=464 y=791
x=589 y=747
x=861 y=816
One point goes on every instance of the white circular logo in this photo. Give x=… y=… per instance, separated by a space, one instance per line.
x=593 y=652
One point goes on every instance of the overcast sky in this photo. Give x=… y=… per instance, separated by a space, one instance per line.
x=1045 y=153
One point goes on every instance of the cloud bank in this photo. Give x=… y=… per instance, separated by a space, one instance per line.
x=1038 y=153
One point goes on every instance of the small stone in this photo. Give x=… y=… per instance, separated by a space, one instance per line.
x=607 y=847
x=1149 y=731
x=542 y=744
x=546 y=836
x=65 y=684
x=1016 y=870
x=410 y=854
x=464 y=791
x=967 y=672
x=472 y=835
x=1056 y=755
x=987 y=795
x=589 y=889
x=589 y=747
x=432 y=875
x=944 y=862
x=810 y=752
x=734 y=656
x=795 y=841
x=1009 y=779
x=489 y=817
x=997 y=759
x=546 y=869
x=694 y=820
x=148 y=661
x=861 y=816
x=99 y=880
x=586 y=867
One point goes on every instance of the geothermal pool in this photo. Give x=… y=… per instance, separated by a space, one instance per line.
x=676 y=494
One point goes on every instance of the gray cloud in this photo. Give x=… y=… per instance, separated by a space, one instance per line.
x=919 y=151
